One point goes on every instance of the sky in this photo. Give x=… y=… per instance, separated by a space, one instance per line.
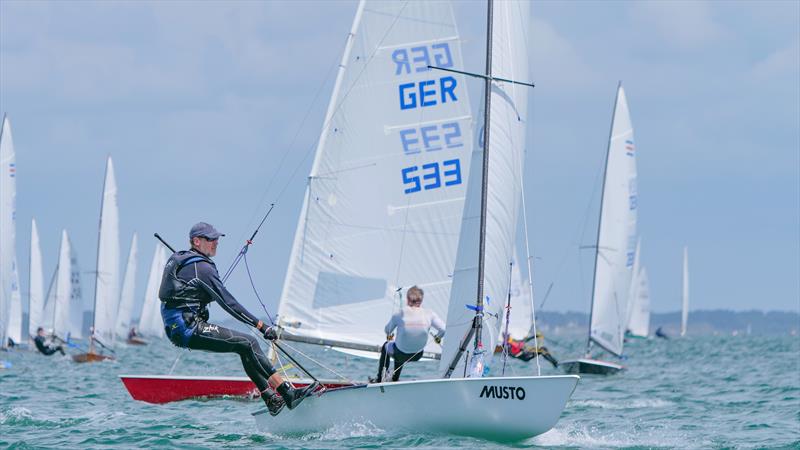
x=211 y=111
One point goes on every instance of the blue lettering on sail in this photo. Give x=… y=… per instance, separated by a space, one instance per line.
x=417 y=59
x=431 y=138
x=435 y=175
x=424 y=93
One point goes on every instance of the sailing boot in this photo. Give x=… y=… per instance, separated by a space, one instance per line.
x=273 y=401
x=293 y=396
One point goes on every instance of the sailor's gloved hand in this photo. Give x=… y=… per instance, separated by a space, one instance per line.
x=389 y=337
x=437 y=339
x=270 y=333
x=204 y=314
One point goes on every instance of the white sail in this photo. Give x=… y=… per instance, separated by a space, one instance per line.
x=150 y=323
x=106 y=291
x=639 y=321
x=63 y=289
x=685 y=302
x=128 y=292
x=521 y=315
x=508 y=123
x=15 y=307
x=8 y=196
x=616 y=235
x=386 y=191
x=75 y=295
x=36 y=283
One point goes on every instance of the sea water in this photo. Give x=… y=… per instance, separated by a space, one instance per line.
x=694 y=392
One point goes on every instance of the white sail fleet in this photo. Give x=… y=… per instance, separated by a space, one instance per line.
x=399 y=111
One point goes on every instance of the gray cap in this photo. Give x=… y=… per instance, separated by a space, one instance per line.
x=202 y=229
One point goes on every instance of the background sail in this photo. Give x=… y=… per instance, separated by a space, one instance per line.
x=106 y=292
x=8 y=195
x=75 y=295
x=617 y=235
x=386 y=191
x=150 y=323
x=509 y=117
x=63 y=289
x=639 y=322
x=15 y=307
x=128 y=292
x=521 y=317
x=36 y=283
x=685 y=302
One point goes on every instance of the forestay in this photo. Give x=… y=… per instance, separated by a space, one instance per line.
x=509 y=119
x=36 y=283
x=8 y=195
x=127 y=297
x=616 y=235
x=106 y=292
x=385 y=195
x=150 y=323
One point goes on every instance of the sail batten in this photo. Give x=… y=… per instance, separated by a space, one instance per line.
x=387 y=185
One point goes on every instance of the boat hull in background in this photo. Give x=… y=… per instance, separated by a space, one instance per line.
x=501 y=408
x=586 y=366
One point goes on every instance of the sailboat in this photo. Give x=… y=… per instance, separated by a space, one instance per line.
x=63 y=297
x=506 y=408
x=685 y=299
x=8 y=254
x=615 y=250
x=127 y=297
x=106 y=291
x=36 y=283
x=638 y=323
x=150 y=323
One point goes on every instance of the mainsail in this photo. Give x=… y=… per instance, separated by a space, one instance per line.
x=36 y=283
x=386 y=191
x=616 y=236
x=508 y=123
x=61 y=323
x=106 y=291
x=128 y=292
x=8 y=195
x=685 y=302
x=150 y=323
x=75 y=295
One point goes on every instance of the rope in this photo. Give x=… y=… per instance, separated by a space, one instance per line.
x=349 y=380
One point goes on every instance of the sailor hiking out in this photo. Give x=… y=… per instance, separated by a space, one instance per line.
x=190 y=282
x=412 y=323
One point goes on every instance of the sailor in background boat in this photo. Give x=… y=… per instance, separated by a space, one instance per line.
x=521 y=350
x=190 y=282
x=43 y=346
x=412 y=323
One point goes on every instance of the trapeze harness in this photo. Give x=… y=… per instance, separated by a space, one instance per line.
x=182 y=302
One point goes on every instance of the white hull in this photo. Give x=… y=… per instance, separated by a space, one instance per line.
x=463 y=406
x=590 y=366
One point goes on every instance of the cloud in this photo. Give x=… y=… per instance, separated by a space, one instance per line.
x=681 y=25
x=778 y=64
x=554 y=60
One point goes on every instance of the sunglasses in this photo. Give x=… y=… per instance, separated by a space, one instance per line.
x=209 y=239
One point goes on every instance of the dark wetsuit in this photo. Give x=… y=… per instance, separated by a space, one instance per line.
x=46 y=349
x=189 y=284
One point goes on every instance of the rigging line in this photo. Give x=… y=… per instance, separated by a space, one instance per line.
x=247 y=244
x=255 y=291
x=529 y=261
x=348 y=379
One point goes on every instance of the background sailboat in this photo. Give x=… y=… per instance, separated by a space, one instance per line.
x=15 y=308
x=125 y=310
x=685 y=297
x=8 y=195
x=106 y=292
x=150 y=323
x=36 y=283
x=639 y=321
x=615 y=251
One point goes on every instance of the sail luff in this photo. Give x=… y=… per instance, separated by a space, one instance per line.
x=35 y=282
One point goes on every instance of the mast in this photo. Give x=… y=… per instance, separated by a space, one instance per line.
x=477 y=321
x=600 y=217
